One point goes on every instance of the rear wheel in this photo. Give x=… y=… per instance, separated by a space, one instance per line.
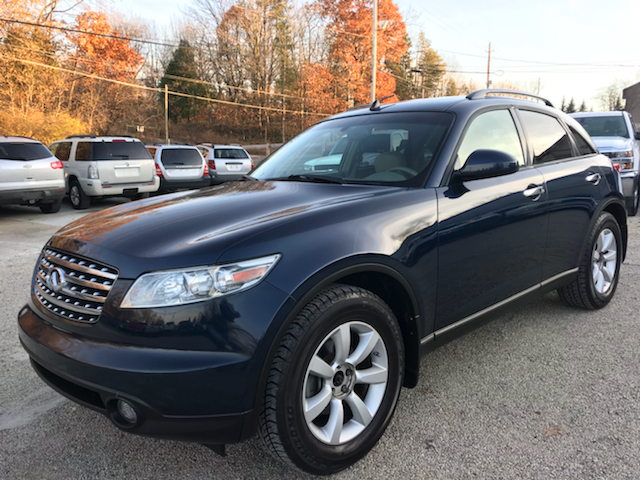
x=599 y=267
x=334 y=382
x=79 y=199
x=51 y=207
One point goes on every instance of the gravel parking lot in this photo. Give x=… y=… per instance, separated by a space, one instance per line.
x=544 y=392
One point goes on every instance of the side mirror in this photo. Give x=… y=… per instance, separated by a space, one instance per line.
x=487 y=164
x=637 y=135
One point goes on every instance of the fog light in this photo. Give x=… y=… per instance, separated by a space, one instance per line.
x=127 y=411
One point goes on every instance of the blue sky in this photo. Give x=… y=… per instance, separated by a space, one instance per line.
x=575 y=48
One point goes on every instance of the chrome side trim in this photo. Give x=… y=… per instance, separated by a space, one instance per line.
x=502 y=303
x=427 y=339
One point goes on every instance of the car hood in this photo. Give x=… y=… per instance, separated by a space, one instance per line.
x=196 y=227
x=607 y=144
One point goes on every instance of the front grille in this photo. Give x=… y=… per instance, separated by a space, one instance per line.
x=73 y=287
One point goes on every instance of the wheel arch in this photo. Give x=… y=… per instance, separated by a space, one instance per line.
x=619 y=212
x=377 y=276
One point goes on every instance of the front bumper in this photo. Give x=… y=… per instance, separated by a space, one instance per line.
x=31 y=196
x=629 y=180
x=167 y=388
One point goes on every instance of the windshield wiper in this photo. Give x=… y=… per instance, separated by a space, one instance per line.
x=310 y=178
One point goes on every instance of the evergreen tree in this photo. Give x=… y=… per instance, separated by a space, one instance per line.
x=571 y=107
x=563 y=105
x=583 y=107
x=183 y=64
x=618 y=104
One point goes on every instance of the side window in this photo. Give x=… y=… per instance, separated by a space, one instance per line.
x=493 y=130
x=61 y=150
x=549 y=140
x=583 y=146
x=83 y=151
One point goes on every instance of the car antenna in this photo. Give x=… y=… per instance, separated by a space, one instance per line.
x=375 y=106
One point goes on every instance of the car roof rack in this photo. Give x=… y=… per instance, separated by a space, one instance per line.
x=19 y=136
x=485 y=92
x=81 y=136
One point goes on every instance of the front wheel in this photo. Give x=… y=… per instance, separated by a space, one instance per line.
x=599 y=267
x=334 y=382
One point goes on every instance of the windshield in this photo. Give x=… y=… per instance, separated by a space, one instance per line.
x=604 y=126
x=230 y=153
x=118 y=150
x=181 y=157
x=23 y=151
x=391 y=148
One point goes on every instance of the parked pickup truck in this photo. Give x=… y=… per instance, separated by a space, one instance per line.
x=616 y=135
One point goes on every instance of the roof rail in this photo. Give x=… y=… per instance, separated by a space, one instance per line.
x=496 y=91
x=19 y=136
x=81 y=136
x=358 y=107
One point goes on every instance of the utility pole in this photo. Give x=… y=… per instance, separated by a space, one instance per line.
x=373 y=51
x=489 y=67
x=166 y=114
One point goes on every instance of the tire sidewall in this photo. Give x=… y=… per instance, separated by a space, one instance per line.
x=606 y=220
x=331 y=458
x=71 y=196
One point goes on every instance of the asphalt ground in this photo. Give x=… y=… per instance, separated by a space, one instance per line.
x=544 y=392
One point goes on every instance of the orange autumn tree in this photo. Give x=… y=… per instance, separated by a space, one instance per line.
x=318 y=87
x=102 y=103
x=349 y=30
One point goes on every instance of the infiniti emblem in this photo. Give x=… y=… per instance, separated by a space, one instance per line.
x=56 y=280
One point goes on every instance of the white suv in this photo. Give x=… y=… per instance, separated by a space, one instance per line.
x=30 y=175
x=105 y=166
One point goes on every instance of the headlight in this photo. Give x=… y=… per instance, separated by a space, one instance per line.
x=178 y=287
x=622 y=154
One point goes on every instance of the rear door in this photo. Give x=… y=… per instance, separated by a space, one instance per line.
x=182 y=163
x=574 y=185
x=121 y=161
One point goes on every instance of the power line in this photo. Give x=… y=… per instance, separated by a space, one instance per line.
x=159 y=90
x=73 y=30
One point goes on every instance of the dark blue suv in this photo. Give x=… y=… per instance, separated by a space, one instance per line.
x=295 y=304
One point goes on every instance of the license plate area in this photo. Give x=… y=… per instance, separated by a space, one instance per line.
x=233 y=167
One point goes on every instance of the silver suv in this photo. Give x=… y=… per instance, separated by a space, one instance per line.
x=226 y=162
x=30 y=175
x=179 y=167
x=105 y=167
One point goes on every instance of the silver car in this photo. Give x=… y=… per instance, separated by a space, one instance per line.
x=30 y=174
x=226 y=162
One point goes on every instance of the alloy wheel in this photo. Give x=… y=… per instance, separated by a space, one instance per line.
x=345 y=383
x=604 y=261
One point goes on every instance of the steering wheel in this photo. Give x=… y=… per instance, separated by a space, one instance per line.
x=406 y=172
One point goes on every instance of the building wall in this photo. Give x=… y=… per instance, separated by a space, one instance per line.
x=631 y=96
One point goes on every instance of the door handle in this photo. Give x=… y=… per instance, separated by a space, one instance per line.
x=534 y=192
x=593 y=178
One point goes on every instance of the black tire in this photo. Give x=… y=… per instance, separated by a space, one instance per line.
x=79 y=199
x=283 y=429
x=51 y=207
x=140 y=196
x=583 y=292
x=632 y=206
